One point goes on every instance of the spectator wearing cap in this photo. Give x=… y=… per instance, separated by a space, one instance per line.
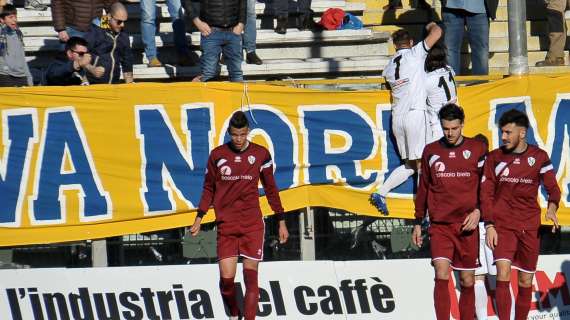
x=72 y=69
x=110 y=47
x=472 y=15
x=72 y=18
x=14 y=70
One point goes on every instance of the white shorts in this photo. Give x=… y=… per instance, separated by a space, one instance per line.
x=485 y=255
x=435 y=132
x=410 y=130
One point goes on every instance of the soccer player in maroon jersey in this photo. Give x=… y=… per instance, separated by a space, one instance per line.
x=448 y=188
x=233 y=173
x=509 y=192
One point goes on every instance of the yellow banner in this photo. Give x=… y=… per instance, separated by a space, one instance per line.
x=92 y=162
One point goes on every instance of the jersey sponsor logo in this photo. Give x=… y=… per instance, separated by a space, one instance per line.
x=225 y=170
x=251 y=159
x=531 y=161
x=466 y=154
x=440 y=166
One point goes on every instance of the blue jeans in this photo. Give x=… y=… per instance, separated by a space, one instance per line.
x=217 y=42
x=478 y=34
x=250 y=32
x=148 y=26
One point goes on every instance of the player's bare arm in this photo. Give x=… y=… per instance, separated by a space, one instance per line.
x=434 y=34
x=417 y=235
x=551 y=215
x=471 y=221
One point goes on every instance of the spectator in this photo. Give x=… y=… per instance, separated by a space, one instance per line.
x=221 y=23
x=473 y=14
x=74 y=67
x=148 y=31
x=111 y=47
x=29 y=5
x=250 y=34
x=556 y=33
x=305 y=19
x=14 y=71
x=72 y=18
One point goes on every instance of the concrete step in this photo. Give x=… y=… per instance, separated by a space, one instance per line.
x=501 y=59
x=276 y=68
x=412 y=4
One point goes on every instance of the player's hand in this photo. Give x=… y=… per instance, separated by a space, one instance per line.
x=471 y=221
x=283 y=232
x=195 y=229
x=551 y=215
x=492 y=238
x=417 y=236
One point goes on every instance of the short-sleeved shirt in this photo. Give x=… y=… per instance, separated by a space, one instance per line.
x=441 y=88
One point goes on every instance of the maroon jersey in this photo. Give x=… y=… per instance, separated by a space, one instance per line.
x=449 y=180
x=231 y=183
x=509 y=187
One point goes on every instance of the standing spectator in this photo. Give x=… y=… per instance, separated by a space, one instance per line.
x=73 y=68
x=250 y=34
x=148 y=32
x=72 y=18
x=221 y=23
x=111 y=47
x=509 y=202
x=556 y=33
x=305 y=19
x=473 y=14
x=29 y=5
x=14 y=71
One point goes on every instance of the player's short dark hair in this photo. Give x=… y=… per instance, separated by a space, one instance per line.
x=437 y=57
x=400 y=37
x=451 y=112
x=238 y=120
x=519 y=118
x=481 y=137
x=7 y=10
x=74 y=42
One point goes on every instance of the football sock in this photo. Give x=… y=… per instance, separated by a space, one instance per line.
x=503 y=299
x=467 y=303
x=251 y=293
x=228 y=291
x=441 y=299
x=480 y=300
x=396 y=178
x=522 y=305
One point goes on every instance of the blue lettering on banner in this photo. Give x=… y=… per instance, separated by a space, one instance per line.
x=559 y=140
x=166 y=160
x=63 y=139
x=281 y=138
x=19 y=137
x=318 y=123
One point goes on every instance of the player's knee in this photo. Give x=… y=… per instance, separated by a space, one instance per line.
x=525 y=280
x=227 y=285
x=467 y=281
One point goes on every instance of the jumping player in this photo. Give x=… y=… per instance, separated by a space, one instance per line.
x=231 y=185
x=448 y=188
x=405 y=76
x=509 y=191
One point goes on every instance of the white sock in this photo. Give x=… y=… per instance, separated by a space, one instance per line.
x=480 y=299
x=398 y=176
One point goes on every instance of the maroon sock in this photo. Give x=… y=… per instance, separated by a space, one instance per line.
x=251 y=294
x=522 y=305
x=228 y=291
x=467 y=303
x=503 y=299
x=441 y=299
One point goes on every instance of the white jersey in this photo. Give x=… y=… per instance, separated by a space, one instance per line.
x=441 y=89
x=405 y=74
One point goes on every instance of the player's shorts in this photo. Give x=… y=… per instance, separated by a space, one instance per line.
x=234 y=242
x=485 y=255
x=410 y=132
x=521 y=248
x=461 y=249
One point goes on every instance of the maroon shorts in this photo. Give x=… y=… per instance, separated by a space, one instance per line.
x=234 y=242
x=521 y=248
x=461 y=249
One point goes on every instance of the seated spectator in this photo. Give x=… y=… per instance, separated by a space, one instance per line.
x=74 y=67
x=220 y=23
x=14 y=71
x=73 y=18
x=305 y=19
x=110 y=46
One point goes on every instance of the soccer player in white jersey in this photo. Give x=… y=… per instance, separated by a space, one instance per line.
x=405 y=75
x=440 y=86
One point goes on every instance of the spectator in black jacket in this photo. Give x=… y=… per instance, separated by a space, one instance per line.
x=221 y=23
x=74 y=67
x=111 y=47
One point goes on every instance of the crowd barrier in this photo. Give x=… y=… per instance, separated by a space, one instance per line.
x=93 y=162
